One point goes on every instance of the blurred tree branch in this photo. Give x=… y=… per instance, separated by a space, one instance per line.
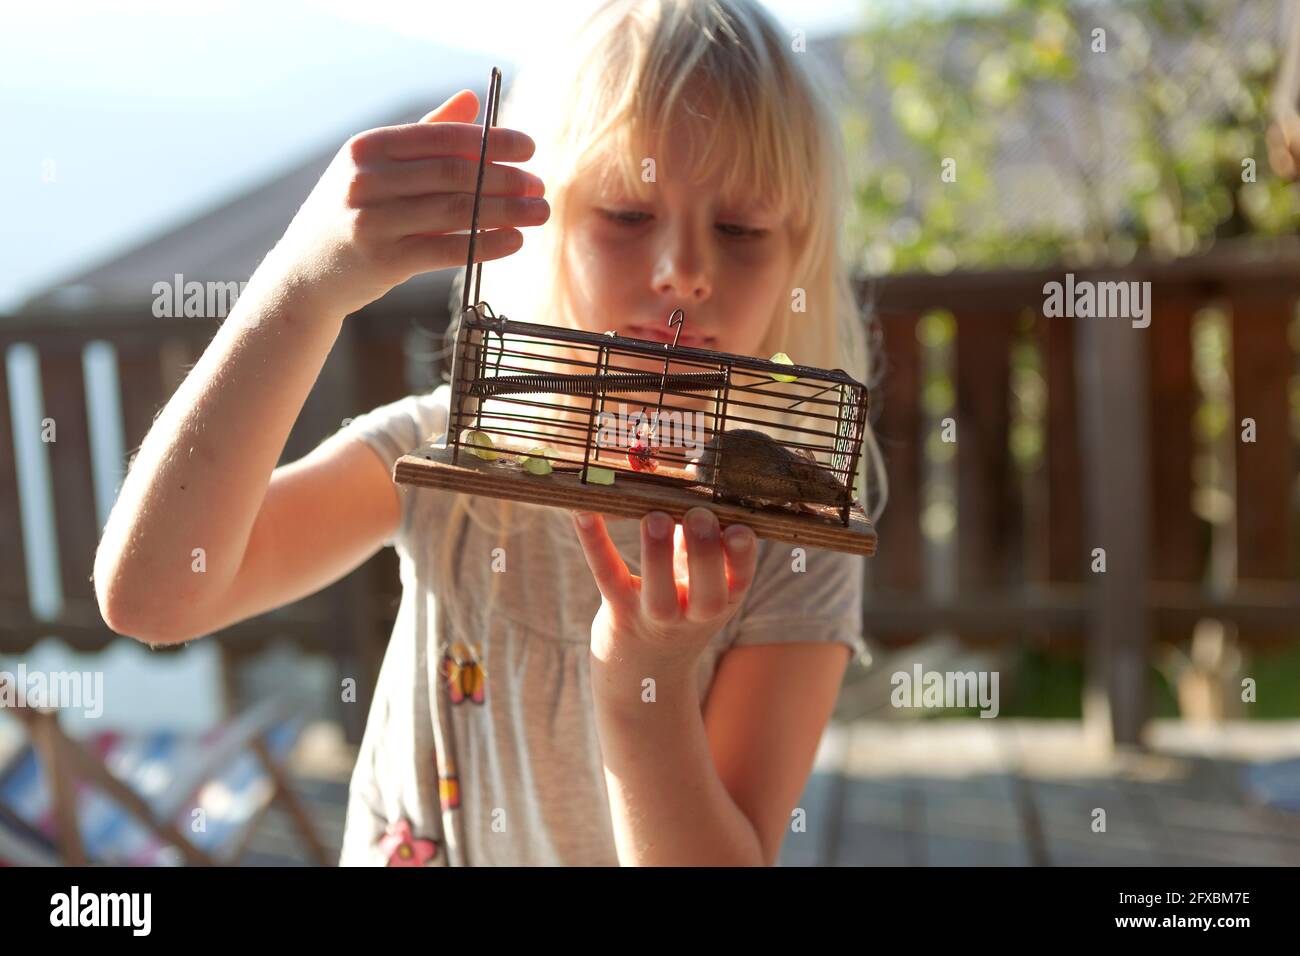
x=1169 y=86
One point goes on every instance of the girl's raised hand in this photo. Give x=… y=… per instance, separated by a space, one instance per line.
x=693 y=580
x=388 y=205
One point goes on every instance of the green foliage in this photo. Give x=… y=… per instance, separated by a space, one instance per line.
x=1050 y=684
x=957 y=84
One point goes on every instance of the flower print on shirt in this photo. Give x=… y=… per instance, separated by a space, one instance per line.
x=403 y=849
x=449 y=792
x=464 y=673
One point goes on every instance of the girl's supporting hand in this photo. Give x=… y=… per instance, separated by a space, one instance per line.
x=388 y=204
x=693 y=580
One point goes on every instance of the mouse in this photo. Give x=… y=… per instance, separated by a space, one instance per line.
x=758 y=470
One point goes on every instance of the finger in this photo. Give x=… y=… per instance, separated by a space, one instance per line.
x=681 y=566
x=741 y=546
x=390 y=179
x=660 y=600
x=416 y=254
x=607 y=565
x=704 y=560
x=461 y=107
x=425 y=140
x=449 y=212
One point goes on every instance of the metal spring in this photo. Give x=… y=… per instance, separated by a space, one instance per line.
x=586 y=384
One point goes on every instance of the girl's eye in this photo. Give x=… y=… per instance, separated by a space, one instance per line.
x=741 y=232
x=627 y=217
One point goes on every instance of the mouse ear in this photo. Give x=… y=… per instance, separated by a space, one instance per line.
x=805 y=454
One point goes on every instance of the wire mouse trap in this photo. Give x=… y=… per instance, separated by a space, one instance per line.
x=623 y=426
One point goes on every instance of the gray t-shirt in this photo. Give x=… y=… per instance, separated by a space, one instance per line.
x=481 y=747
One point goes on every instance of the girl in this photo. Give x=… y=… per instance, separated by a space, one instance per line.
x=558 y=689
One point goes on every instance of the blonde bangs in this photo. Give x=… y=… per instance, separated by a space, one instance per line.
x=700 y=71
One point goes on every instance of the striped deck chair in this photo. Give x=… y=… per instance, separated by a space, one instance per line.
x=156 y=799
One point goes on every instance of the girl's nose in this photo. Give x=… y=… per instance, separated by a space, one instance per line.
x=683 y=271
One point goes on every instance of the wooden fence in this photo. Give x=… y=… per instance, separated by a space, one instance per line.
x=350 y=620
x=1116 y=470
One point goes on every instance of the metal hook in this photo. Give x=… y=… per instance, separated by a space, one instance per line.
x=678 y=319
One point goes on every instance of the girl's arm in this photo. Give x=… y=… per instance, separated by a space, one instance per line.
x=206 y=530
x=177 y=533
x=711 y=787
x=718 y=788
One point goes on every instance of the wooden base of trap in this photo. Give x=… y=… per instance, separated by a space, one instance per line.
x=430 y=467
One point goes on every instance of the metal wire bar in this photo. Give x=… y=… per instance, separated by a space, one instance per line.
x=589 y=384
x=489 y=120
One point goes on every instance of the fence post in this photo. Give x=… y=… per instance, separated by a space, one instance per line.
x=1114 y=436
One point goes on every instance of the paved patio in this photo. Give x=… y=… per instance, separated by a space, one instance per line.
x=986 y=792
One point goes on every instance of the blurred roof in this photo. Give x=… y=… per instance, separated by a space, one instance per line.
x=224 y=244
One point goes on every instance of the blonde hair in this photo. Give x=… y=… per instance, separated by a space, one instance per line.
x=593 y=107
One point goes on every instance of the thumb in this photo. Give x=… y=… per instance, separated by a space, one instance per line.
x=460 y=108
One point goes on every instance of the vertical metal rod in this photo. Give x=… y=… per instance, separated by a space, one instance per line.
x=864 y=410
x=601 y=361
x=678 y=319
x=720 y=420
x=480 y=371
x=461 y=380
x=851 y=477
x=489 y=120
x=494 y=103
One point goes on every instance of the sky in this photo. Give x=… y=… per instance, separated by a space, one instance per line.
x=120 y=120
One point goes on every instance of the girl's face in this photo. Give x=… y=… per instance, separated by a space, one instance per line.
x=724 y=261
